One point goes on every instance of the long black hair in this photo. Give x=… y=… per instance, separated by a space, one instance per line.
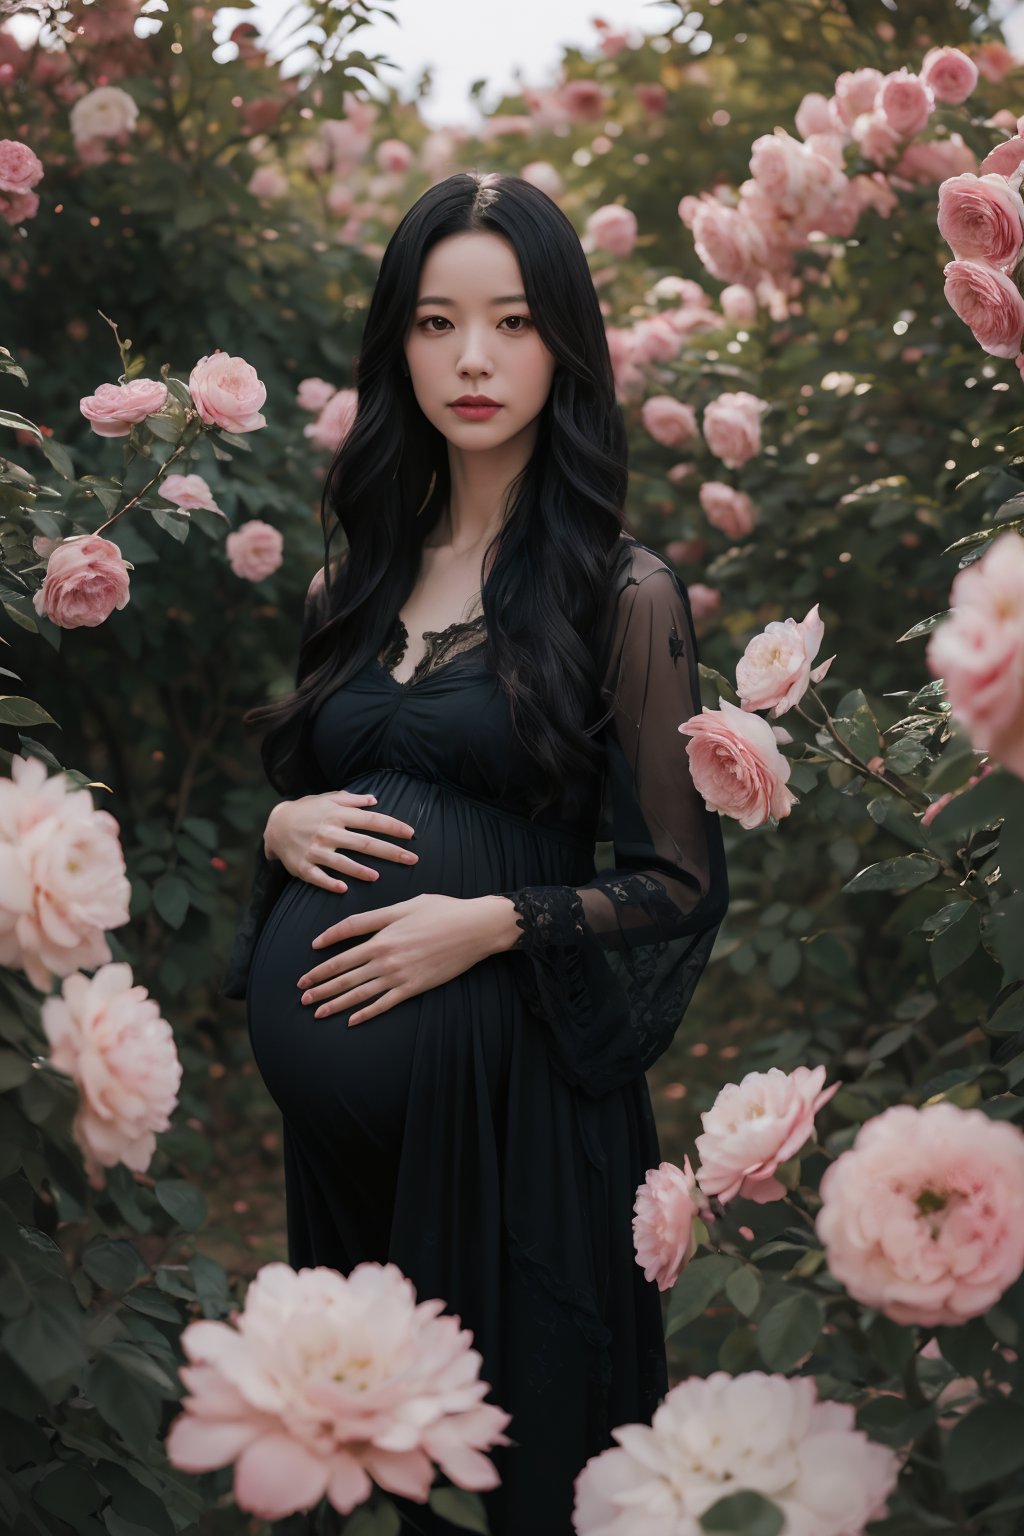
x=389 y=483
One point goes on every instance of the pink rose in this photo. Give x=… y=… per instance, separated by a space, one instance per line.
x=86 y=579
x=670 y=422
x=732 y=427
x=856 y=92
x=663 y=1236
x=774 y=671
x=656 y=340
x=115 y=408
x=729 y=242
x=255 y=550
x=796 y=178
x=923 y=1217
x=542 y=174
x=981 y=218
x=905 y=101
x=62 y=875
x=20 y=166
x=686 y=551
x=994 y=60
x=16 y=207
x=394 y=156
x=755 y=1125
x=188 y=492
x=1004 y=159
x=227 y=393
x=714 y=1434
x=382 y=1390
x=736 y=764
x=335 y=420
x=110 y=1037
x=729 y=510
x=705 y=601
x=613 y=229
x=937 y=159
x=313 y=394
x=584 y=100
x=739 y=304
x=814 y=115
x=989 y=302
x=950 y=75
x=877 y=138
x=979 y=651
x=268 y=182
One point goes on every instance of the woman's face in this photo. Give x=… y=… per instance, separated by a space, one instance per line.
x=472 y=335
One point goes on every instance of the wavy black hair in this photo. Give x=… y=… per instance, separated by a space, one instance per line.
x=389 y=483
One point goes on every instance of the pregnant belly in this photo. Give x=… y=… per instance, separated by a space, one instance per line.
x=353 y=1084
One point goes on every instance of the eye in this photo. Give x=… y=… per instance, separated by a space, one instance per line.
x=427 y=323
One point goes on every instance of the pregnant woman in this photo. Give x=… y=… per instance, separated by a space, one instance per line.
x=491 y=678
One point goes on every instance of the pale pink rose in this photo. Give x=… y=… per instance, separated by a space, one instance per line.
x=542 y=174
x=950 y=74
x=629 y=375
x=714 y=1434
x=775 y=671
x=729 y=242
x=906 y=101
x=670 y=422
x=732 y=427
x=261 y=115
x=188 y=491
x=62 y=876
x=923 y=1217
x=394 y=156
x=876 y=137
x=1004 y=118
x=830 y=146
x=794 y=177
x=705 y=601
x=686 y=551
x=335 y=420
x=663 y=1235
x=340 y=199
x=86 y=580
x=989 y=302
x=994 y=61
x=678 y=473
x=314 y=393
x=227 y=392
x=611 y=42
x=255 y=551
x=930 y=812
x=874 y=191
x=103 y=113
x=20 y=166
x=979 y=651
x=736 y=765
x=347 y=141
x=688 y=318
x=855 y=93
x=115 y=408
x=683 y=290
x=656 y=339
x=981 y=218
x=506 y=124
x=584 y=100
x=937 y=159
x=739 y=304
x=373 y=1388
x=730 y=511
x=652 y=96
x=1004 y=159
x=110 y=1037
x=813 y=115
x=268 y=182
x=688 y=208
x=613 y=228
x=755 y=1125
x=16 y=207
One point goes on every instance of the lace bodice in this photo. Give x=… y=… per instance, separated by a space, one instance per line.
x=442 y=645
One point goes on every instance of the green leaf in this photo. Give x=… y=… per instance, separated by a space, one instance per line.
x=697 y=1286
x=183 y=1201
x=58 y=457
x=1008 y=1018
x=957 y=939
x=461 y=1507
x=742 y=1514
x=899 y=874
x=860 y=733
x=20 y=711
x=790 y=1330
x=743 y=1289
x=171 y=899
x=924 y=627
x=722 y=686
x=985 y=1446
x=129 y=1406
x=784 y=963
x=113 y=1264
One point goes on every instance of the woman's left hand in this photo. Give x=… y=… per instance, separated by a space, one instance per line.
x=414 y=945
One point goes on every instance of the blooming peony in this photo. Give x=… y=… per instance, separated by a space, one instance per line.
x=989 y=302
x=950 y=75
x=755 y=1125
x=774 y=671
x=103 y=113
x=670 y=422
x=716 y=1435
x=86 y=580
x=110 y=1037
x=255 y=550
x=923 y=1217
x=115 y=408
x=981 y=218
x=613 y=229
x=979 y=651
x=736 y=764
x=729 y=510
x=732 y=427
x=62 y=875
x=20 y=166
x=228 y=393
x=663 y=1235
x=324 y=1384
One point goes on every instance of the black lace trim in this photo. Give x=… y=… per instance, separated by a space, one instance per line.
x=442 y=645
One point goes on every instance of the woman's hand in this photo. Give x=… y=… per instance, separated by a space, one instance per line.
x=313 y=830
x=414 y=945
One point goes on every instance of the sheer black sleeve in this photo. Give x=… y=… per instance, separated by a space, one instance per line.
x=271 y=877
x=610 y=966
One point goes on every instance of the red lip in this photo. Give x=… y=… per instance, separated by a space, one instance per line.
x=474 y=400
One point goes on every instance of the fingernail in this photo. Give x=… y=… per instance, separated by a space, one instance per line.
x=307 y=997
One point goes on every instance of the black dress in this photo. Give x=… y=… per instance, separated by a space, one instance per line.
x=488 y=1136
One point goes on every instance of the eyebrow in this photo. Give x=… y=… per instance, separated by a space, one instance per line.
x=508 y=298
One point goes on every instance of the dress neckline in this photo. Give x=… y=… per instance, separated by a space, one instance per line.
x=436 y=644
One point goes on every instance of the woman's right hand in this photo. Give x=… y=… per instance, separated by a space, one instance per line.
x=309 y=832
